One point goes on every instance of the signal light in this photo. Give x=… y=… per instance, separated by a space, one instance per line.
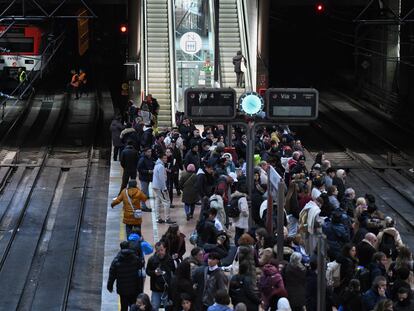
x=320 y=8
x=123 y=28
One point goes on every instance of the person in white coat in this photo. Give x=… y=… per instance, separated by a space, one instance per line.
x=241 y=223
x=159 y=187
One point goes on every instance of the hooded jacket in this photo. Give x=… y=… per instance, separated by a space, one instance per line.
x=271 y=284
x=242 y=221
x=136 y=196
x=159 y=179
x=124 y=269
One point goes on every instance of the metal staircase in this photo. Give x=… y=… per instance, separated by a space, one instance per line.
x=157 y=52
x=230 y=41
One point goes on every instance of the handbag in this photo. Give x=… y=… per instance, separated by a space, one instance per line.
x=235 y=265
x=137 y=211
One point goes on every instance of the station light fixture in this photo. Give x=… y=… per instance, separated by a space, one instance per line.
x=320 y=7
x=123 y=28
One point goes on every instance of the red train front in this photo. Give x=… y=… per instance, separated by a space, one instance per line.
x=21 y=47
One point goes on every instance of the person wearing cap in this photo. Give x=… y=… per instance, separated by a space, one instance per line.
x=190 y=195
x=207 y=281
x=131 y=198
x=300 y=167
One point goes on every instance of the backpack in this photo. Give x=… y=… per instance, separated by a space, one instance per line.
x=387 y=245
x=333 y=274
x=364 y=276
x=233 y=210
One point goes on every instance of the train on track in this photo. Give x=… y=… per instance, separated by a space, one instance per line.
x=21 y=46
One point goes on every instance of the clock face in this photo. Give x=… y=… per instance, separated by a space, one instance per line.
x=251 y=103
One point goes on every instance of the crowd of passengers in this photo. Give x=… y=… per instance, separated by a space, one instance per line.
x=233 y=265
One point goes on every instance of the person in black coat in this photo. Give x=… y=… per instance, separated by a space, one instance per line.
x=242 y=289
x=192 y=157
x=145 y=169
x=129 y=134
x=147 y=137
x=294 y=276
x=205 y=181
x=116 y=128
x=350 y=298
x=182 y=283
x=129 y=162
x=160 y=269
x=365 y=249
x=207 y=231
x=377 y=266
x=349 y=264
x=124 y=270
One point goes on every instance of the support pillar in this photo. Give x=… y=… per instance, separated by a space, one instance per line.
x=263 y=44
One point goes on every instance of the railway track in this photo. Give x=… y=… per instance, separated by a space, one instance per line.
x=376 y=165
x=42 y=202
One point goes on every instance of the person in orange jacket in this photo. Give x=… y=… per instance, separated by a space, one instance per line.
x=131 y=197
x=82 y=82
x=74 y=83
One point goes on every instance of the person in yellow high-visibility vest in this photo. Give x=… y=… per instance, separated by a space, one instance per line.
x=22 y=76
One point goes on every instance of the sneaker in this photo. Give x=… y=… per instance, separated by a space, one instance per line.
x=160 y=221
x=169 y=221
x=172 y=206
x=147 y=209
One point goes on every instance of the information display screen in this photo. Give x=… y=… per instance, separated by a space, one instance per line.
x=292 y=104
x=210 y=103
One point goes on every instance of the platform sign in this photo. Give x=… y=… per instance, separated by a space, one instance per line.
x=214 y=104
x=296 y=104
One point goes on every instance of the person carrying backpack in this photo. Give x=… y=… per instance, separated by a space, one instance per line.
x=389 y=239
x=239 y=211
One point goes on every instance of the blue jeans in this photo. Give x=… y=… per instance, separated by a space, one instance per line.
x=189 y=208
x=157 y=298
x=144 y=188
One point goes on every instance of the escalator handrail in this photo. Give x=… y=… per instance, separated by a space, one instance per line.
x=213 y=27
x=245 y=39
x=173 y=71
x=145 y=45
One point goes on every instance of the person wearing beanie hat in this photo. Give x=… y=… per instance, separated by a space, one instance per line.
x=189 y=193
x=131 y=198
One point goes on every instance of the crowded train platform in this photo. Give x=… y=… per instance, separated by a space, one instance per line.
x=199 y=242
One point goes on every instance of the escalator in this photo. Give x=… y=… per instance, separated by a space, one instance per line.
x=157 y=48
x=232 y=38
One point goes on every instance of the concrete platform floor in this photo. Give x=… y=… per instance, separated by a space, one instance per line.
x=152 y=232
